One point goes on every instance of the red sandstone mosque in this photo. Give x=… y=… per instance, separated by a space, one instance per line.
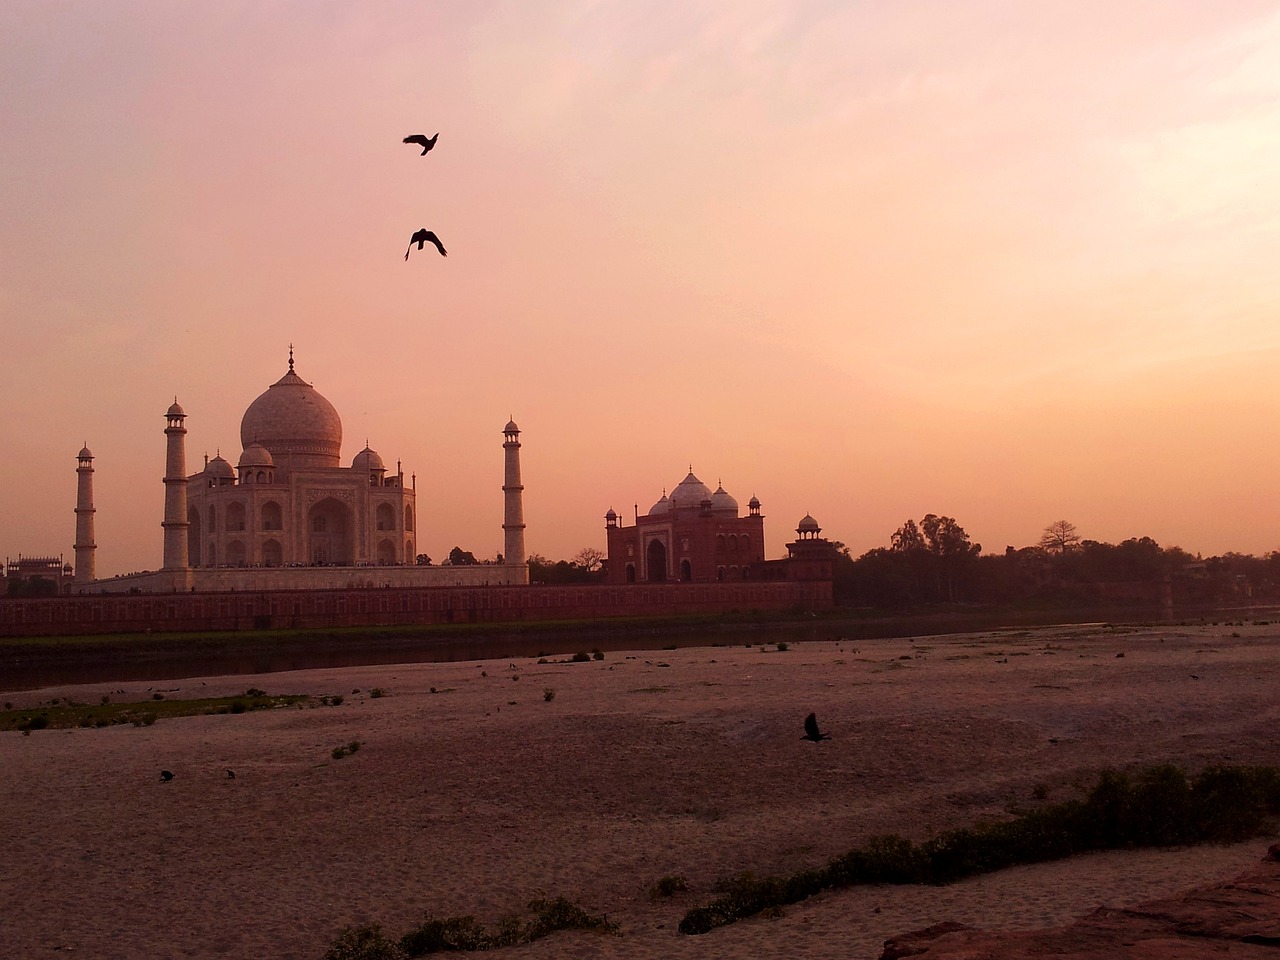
x=695 y=535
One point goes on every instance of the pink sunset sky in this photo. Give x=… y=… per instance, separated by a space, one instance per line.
x=1009 y=262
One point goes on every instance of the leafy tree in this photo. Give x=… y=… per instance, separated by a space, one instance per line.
x=422 y=560
x=907 y=538
x=461 y=558
x=1059 y=537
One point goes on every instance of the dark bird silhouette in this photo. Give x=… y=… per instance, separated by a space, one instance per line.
x=423 y=142
x=811 y=730
x=425 y=236
x=166 y=776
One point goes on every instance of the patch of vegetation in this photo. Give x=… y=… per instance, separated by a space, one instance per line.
x=668 y=886
x=580 y=657
x=548 y=694
x=363 y=943
x=448 y=934
x=377 y=692
x=346 y=750
x=1158 y=807
x=65 y=715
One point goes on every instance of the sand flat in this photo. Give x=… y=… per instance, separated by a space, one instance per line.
x=483 y=795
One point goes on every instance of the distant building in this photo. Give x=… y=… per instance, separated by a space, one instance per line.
x=696 y=535
x=30 y=575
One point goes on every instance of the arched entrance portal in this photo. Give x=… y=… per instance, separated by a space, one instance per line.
x=656 y=556
x=329 y=538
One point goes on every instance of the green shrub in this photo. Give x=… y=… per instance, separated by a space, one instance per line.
x=363 y=943
x=437 y=936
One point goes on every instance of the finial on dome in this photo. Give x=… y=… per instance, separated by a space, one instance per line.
x=291 y=358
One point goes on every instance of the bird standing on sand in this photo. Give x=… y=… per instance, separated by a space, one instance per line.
x=423 y=142
x=425 y=236
x=811 y=730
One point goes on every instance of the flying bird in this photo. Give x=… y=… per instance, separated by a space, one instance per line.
x=166 y=776
x=423 y=142
x=811 y=730
x=425 y=236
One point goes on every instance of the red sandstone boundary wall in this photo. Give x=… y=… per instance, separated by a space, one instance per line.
x=391 y=606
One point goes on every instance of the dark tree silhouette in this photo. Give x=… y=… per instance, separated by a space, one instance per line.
x=1059 y=537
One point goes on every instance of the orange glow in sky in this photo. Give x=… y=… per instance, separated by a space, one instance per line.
x=1007 y=262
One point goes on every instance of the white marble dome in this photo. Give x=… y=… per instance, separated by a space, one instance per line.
x=690 y=492
x=295 y=423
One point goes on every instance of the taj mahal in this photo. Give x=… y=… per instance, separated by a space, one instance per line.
x=289 y=515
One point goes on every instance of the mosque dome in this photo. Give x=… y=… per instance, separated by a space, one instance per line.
x=611 y=515
x=722 y=502
x=219 y=469
x=256 y=455
x=295 y=423
x=84 y=453
x=808 y=525
x=176 y=411
x=661 y=507
x=367 y=460
x=511 y=427
x=690 y=492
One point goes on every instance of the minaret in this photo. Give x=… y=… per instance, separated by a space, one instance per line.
x=84 y=546
x=175 y=490
x=513 y=493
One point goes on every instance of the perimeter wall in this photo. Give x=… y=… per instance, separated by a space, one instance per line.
x=390 y=606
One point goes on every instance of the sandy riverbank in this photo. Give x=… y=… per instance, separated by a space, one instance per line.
x=482 y=795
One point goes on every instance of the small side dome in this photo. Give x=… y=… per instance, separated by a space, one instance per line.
x=511 y=427
x=611 y=515
x=754 y=503
x=84 y=453
x=256 y=455
x=722 y=502
x=661 y=507
x=367 y=460
x=808 y=525
x=219 y=469
x=176 y=411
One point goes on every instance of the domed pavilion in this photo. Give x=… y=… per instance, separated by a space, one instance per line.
x=289 y=501
x=692 y=534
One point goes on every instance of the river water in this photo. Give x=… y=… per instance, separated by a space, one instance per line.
x=242 y=653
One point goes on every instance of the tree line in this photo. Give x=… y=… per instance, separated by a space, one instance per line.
x=935 y=562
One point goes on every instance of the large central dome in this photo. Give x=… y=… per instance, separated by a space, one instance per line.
x=293 y=421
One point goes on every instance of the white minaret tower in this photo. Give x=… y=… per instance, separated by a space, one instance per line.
x=513 y=495
x=175 y=490
x=84 y=545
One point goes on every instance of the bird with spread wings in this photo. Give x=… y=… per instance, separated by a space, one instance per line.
x=425 y=236
x=424 y=142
